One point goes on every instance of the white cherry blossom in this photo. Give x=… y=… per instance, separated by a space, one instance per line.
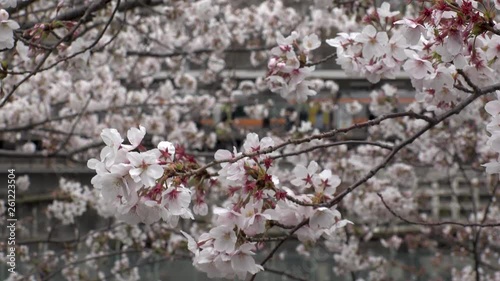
x=373 y=42
x=304 y=176
x=242 y=261
x=323 y=218
x=311 y=42
x=412 y=31
x=417 y=67
x=145 y=167
x=135 y=137
x=225 y=238
x=252 y=143
x=6 y=30
x=385 y=11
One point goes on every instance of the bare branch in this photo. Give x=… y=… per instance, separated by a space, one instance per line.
x=323 y=60
x=73 y=127
x=283 y=273
x=435 y=223
x=74 y=115
x=196 y=52
x=325 y=135
x=358 y=142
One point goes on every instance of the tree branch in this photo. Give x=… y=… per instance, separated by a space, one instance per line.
x=329 y=134
x=435 y=223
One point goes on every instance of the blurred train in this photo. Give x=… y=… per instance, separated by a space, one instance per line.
x=324 y=113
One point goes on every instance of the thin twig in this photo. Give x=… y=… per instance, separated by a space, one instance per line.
x=283 y=273
x=328 y=134
x=435 y=223
x=323 y=60
x=48 y=53
x=358 y=142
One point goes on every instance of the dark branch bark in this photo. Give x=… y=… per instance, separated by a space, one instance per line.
x=434 y=223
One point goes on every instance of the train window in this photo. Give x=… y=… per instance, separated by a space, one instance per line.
x=239 y=112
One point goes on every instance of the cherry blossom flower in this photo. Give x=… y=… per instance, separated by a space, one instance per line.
x=23 y=183
x=492 y=167
x=242 y=261
x=113 y=141
x=305 y=126
x=493 y=107
x=385 y=11
x=440 y=77
x=167 y=150
x=397 y=45
x=232 y=172
x=6 y=30
x=252 y=143
x=326 y=182
x=415 y=66
x=302 y=91
x=277 y=84
x=200 y=208
x=23 y=51
x=113 y=186
x=145 y=167
x=192 y=245
x=454 y=42
x=225 y=238
x=112 y=138
x=311 y=42
x=353 y=107
x=323 y=218
x=227 y=216
x=336 y=226
x=493 y=47
x=148 y=211
x=412 y=31
x=373 y=42
x=176 y=200
x=282 y=41
x=135 y=137
x=79 y=46
x=304 y=176
x=254 y=222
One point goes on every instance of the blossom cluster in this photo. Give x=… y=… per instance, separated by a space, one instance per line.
x=132 y=183
x=253 y=196
x=224 y=251
x=75 y=204
x=383 y=101
x=144 y=186
x=373 y=53
x=288 y=66
x=432 y=49
x=257 y=198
